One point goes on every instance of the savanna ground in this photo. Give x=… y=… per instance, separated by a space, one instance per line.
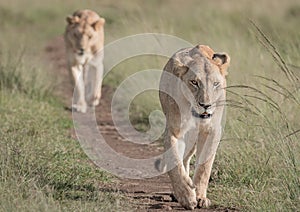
x=257 y=167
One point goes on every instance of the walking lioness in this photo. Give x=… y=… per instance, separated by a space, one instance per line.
x=84 y=38
x=192 y=95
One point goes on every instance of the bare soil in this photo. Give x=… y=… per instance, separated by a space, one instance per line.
x=154 y=194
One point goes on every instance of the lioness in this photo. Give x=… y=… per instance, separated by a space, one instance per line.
x=192 y=95
x=84 y=39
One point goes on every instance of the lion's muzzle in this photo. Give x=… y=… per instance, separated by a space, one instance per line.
x=204 y=115
x=80 y=52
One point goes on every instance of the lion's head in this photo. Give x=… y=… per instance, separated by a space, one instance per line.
x=203 y=72
x=83 y=31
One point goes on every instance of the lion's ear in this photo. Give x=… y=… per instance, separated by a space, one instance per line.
x=179 y=69
x=222 y=60
x=72 y=19
x=206 y=51
x=98 y=24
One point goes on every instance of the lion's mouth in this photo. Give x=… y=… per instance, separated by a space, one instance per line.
x=204 y=115
x=79 y=52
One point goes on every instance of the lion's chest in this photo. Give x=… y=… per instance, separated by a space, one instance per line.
x=83 y=59
x=188 y=124
x=193 y=127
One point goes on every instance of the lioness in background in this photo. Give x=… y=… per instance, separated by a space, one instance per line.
x=84 y=38
x=194 y=79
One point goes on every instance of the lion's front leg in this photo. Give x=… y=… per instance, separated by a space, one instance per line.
x=201 y=178
x=205 y=155
x=80 y=104
x=182 y=184
x=98 y=85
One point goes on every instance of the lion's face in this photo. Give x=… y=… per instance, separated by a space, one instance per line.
x=206 y=85
x=203 y=73
x=83 y=35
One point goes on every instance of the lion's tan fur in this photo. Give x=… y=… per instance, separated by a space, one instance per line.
x=84 y=39
x=201 y=72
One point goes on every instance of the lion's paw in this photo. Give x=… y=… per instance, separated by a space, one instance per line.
x=80 y=108
x=95 y=102
x=186 y=196
x=204 y=202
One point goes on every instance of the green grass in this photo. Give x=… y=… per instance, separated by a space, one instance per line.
x=42 y=167
x=257 y=166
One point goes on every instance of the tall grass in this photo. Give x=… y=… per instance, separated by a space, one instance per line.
x=262 y=171
x=17 y=76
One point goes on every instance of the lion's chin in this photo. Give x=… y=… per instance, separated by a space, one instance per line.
x=79 y=53
x=204 y=115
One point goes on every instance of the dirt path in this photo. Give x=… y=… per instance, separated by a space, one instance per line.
x=146 y=195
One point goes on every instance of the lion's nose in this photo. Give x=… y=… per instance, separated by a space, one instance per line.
x=81 y=51
x=205 y=106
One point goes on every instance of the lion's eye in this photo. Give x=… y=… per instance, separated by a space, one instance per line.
x=194 y=82
x=216 y=84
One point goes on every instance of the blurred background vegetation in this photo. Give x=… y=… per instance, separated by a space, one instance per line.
x=257 y=167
